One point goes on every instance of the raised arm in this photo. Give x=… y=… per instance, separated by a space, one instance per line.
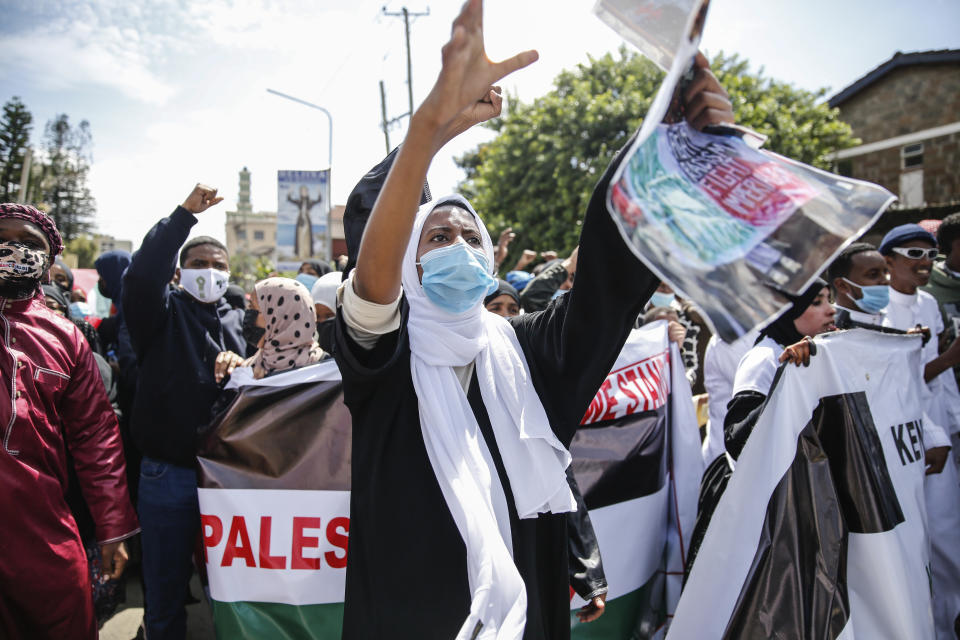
x=147 y=279
x=462 y=96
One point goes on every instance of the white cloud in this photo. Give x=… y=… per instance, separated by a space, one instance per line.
x=79 y=48
x=192 y=76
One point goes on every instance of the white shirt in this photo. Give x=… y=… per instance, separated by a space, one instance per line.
x=758 y=367
x=873 y=319
x=906 y=312
x=719 y=369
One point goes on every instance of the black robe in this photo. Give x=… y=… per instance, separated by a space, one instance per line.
x=406 y=567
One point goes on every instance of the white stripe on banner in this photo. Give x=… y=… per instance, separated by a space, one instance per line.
x=631 y=536
x=271 y=545
x=321 y=371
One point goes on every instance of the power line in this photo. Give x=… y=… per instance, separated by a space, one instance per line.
x=406 y=14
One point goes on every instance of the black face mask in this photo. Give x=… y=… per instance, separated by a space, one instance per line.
x=21 y=268
x=251 y=332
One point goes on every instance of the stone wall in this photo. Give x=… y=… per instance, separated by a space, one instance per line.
x=941 y=169
x=906 y=100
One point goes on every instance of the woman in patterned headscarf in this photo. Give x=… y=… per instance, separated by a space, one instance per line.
x=281 y=324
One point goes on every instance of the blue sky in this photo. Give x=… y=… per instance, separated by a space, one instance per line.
x=175 y=90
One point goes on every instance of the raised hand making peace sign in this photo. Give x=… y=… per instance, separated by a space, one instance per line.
x=465 y=92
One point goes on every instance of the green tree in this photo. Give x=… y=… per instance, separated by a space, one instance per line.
x=247 y=269
x=15 y=126
x=64 y=190
x=537 y=174
x=85 y=248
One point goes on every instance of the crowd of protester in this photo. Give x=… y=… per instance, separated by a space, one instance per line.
x=104 y=419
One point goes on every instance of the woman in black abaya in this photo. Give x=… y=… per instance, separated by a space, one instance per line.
x=461 y=418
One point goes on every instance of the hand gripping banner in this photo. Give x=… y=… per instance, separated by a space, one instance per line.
x=636 y=459
x=821 y=532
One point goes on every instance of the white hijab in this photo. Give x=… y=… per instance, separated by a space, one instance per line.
x=532 y=455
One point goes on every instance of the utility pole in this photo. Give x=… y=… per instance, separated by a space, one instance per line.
x=405 y=14
x=383 y=114
x=386 y=124
x=25 y=176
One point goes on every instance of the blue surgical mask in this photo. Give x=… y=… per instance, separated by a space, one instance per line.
x=456 y=278
x=875 y=297
x=306 y=280
x=79 y=310
x=660 y=299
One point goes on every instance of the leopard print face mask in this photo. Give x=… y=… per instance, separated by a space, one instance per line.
x=19 y=264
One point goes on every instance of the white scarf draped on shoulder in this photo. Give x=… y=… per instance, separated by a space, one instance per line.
x=533 y=457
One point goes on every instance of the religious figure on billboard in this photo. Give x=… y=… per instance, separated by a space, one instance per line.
x=303 y=236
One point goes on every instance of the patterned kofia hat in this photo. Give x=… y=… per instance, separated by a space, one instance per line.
x=37 y=217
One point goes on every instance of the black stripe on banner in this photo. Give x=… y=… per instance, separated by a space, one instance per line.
x=291 y=437
x=838 y=482
x=620 y=459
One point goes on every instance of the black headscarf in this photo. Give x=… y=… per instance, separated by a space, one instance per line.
x=782 y=330
x=503 y=288
x=58 y=260
x=110 y=267
x=360 y=204
x=55 y=292
x=322 y=268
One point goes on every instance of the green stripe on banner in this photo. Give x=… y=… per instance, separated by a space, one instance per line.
x=258 y=620
x=622 y=616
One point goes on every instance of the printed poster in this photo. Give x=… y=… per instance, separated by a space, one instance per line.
x=303 y=214
x=723 y=222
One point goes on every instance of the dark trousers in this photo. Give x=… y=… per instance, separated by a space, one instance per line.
x=170 y=520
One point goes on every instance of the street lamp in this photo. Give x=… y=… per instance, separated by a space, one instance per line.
x=329 y=162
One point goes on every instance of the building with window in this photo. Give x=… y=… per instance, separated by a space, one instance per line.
x=255 y=233
x=249 y=232
x=906 y=113
x=109 y=243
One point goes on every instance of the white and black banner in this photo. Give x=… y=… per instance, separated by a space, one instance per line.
x=821 y=532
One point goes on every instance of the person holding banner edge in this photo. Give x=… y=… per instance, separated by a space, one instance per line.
x=416 y=350
x=786 y=339
x=860 y=278
x=909 y=250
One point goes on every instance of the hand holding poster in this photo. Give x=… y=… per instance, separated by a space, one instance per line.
x=724 y=223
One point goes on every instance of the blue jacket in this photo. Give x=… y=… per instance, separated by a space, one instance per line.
x=176 y=340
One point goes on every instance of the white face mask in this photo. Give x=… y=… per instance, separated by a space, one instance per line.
x=206 y=285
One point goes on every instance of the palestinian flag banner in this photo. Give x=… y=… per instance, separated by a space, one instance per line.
x=821 y=532
x=275 y=496
x=636 y=458
x=275 y=506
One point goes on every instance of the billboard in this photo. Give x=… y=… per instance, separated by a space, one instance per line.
x=303 y=214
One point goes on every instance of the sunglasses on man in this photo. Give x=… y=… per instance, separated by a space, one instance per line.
x=915 y=253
